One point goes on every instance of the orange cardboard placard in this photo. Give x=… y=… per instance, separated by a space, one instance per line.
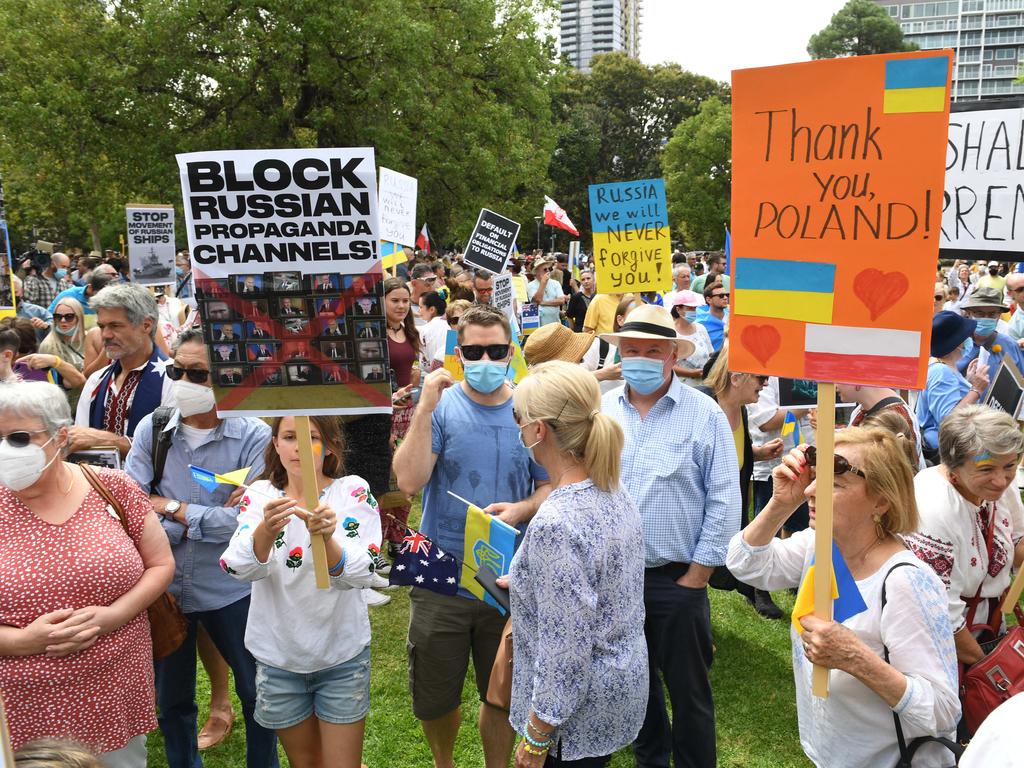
x=837 y=195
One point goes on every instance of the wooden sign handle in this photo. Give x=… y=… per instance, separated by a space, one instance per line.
x=824 y=439
x=311 y=498
x=1013 y=593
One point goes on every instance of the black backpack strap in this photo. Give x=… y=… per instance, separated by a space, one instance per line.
x=161 y=443
x=602 y=348
x=907 y=752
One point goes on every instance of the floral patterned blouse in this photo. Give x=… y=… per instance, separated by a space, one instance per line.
x=293 y=625
x=577 y=591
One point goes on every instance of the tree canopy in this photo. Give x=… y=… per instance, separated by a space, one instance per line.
x=859 y=28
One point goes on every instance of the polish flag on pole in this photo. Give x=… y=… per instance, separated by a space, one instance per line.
x=555 y=216
x=423 y=239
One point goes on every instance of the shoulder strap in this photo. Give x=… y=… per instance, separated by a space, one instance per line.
x=907 y=752
x=160 y=444
x=883 y=403
x=105 y=494
x=602 y=349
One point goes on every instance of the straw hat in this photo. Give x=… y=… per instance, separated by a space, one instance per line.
x=542 y=260
x=556 y=342
x=649 y=321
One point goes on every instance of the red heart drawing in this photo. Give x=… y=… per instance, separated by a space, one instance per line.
x=762 y=341
x=880 y=291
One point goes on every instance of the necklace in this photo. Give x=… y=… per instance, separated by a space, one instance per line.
x=859 y=557
x=65 y=493
x=396 y=328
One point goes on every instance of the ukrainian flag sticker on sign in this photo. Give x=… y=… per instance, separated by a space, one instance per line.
x=916 y=85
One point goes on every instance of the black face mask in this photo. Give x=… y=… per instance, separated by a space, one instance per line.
x=993 y=271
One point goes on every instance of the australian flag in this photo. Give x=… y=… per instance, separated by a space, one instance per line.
x=421 y=563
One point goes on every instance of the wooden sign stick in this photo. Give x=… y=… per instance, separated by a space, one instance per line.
x=1013 y=593
x=311 y=498
x=824 y=439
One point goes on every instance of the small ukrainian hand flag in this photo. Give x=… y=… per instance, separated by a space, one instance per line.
x=847 y=600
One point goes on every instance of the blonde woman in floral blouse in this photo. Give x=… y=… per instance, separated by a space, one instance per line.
x=312 y=646
x=579 y=688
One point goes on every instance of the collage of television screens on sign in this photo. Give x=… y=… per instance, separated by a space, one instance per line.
x=285 y=329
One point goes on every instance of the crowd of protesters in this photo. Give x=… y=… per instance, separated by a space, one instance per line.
x=637 y=466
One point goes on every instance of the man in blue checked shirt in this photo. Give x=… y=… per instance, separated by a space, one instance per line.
x=199 y=524
x=679 y=464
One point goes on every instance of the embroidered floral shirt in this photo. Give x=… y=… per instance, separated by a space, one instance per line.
x=951 y=538
x=292 y=624
x=577 y=590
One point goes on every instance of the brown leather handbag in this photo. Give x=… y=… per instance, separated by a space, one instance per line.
x=167 y=624
x=499 y=686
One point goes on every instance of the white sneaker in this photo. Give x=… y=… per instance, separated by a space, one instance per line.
x=386 y=569
x=379 y=582
x=375 y=598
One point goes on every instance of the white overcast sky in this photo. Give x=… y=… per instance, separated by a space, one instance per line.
x=714 y=37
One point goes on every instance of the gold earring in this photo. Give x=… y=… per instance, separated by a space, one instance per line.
x=879 y=529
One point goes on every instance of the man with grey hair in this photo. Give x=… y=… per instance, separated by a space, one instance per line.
x=681 y=276
x=115 y=398
x=423 y=280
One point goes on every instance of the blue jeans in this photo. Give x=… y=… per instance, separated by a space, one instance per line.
x=176 y=689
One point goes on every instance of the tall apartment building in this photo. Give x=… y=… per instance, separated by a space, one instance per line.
x=591 y=27
x=987 y=35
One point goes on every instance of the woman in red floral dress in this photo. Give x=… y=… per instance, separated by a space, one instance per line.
x=76 y=657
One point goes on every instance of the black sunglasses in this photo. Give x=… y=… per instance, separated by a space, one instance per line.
x=21 y=439
x=454 y=321
x=195 y=375
x=720 y=296
x=840 y=465
x=939 y=297
x=60 y=317
x=474 y=352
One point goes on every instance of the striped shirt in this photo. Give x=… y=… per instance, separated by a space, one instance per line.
x=679 y=465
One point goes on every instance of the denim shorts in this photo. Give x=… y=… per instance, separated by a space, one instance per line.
x=338 y=694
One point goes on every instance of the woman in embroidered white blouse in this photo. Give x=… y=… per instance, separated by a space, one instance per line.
x=312 y=646
x=898 y=661
x=972 y=521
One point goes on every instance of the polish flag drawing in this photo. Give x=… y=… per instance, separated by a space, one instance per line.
x=842 y=353
x=555 y=216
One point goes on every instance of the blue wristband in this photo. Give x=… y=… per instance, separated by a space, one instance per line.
x=339 y=567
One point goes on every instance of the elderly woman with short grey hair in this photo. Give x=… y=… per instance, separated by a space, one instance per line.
x=76 y=656
x=972 y=521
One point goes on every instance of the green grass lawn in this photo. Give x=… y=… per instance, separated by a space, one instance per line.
x=752 y=680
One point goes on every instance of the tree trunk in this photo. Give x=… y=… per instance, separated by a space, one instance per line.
x=94 y=230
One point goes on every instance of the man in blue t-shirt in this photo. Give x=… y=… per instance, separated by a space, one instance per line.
x=464 y=439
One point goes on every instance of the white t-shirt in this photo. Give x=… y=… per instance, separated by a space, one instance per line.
x=194 y=436
x=434 y=334
x=292 y=624
x=853 y=727
x=997 y=742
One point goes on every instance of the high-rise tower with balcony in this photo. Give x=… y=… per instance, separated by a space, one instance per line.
x=591 y=27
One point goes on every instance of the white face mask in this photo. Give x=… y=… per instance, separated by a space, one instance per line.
x=21 y=467
x=192 y=398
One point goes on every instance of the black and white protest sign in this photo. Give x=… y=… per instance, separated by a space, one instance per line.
x=492 y=242
x=151 y=243
x=397 y=207
x=983 y=205
x=285 y=254
x=1007 y=390
x=502 y=298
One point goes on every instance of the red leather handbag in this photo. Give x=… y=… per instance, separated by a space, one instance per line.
x=995 y=678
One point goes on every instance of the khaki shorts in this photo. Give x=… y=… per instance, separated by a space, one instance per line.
x=443 y=632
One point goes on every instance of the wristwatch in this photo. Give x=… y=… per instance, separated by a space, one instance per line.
x=171 y=507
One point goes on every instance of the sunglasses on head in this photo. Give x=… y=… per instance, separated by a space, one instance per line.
x=840 y=465
x=21 y=438
x=474 y=352
x=195 y=375
x=60 y=317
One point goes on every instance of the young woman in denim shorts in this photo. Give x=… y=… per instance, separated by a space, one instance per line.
x=312 y=645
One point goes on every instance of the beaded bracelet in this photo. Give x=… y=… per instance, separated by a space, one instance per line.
x=545 y=745
x=540 y=734
x=531 y=751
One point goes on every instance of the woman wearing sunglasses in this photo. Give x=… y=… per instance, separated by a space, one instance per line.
x=312 y=646
x=972 y=521
x=579 y=687
x=66 y=341
x=733 y=392
x=896 y=656
x=76 y=656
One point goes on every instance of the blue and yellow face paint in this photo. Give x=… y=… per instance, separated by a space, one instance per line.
x=983 y=459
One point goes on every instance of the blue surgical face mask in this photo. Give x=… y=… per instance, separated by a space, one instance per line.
x=66 y=331
x=986 y=326
x=485 y=376
x=529 y=448
x=60 y=273
x=690 y=315
x=179 y=271
x=644 y=374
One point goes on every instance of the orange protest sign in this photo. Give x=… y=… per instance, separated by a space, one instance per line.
x=837 y=195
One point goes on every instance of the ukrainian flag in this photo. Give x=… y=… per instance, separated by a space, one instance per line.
x=392 y=254
x=489 y=543
x=787 y=290
x=847 y=600
x=916 y=85
x=210 y=480
x=791 y=428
